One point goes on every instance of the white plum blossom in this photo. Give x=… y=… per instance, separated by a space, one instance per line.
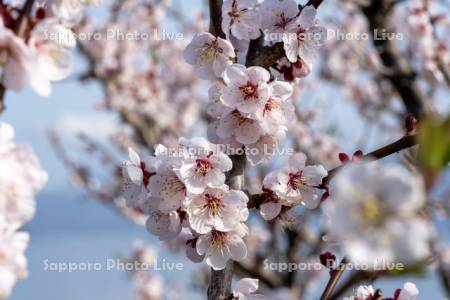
x=295 y=183
x=219 y=247
x=13 y=263
x=203 y=166
x=372 y=212
x=278 y=109
x=247 y=88
x=209 y=55
x=237 y=125
x=304 y=37
x=51 y=59
x=241 y=19
x=6 y=138
x=363 y=292
x=166 y=226
x=266 y=147
x=17 y=193
x=408 y=292
x=21 y=177
x=217 y=209
x=167 y=185
x=367 y=292
x=14 y=60
x=245 y=288
x=137 y=173
x=276 y=16
x=69 y=12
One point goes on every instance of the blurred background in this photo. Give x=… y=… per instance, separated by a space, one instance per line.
x=70 y=226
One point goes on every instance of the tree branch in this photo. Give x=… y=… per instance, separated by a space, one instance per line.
x=401 y=75
x=215 y=16
x=334 y=278
x=402 y=144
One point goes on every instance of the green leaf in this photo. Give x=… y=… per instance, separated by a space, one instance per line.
x=434 y=141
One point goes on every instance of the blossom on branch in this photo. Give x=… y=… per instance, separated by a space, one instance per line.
x=210 y=55
x=241 y=19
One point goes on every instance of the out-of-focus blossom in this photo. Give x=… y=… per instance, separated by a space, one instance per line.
x=372 y=211
x=245 y=288
x=13 y=263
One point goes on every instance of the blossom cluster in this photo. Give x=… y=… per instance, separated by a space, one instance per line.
x=21 y=176
x=36 y=52
x=185 y=190
x=249 y=108
x=280 y=21
x=294 y=184
x=408 y=292
x=159 y=88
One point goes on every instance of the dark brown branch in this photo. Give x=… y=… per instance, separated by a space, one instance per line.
x=334 y=278
x=2 y=98
x=220 y=281
x=402 y=144
x=215 y=16
x=401 y=74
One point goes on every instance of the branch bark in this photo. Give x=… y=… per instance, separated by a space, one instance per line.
x=401 y=75
x=220 y=281
x=334 y=278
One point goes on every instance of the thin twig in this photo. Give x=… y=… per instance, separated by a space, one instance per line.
x=402 y=144
x=334 y=278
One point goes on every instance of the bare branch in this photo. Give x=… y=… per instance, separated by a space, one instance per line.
x=402 y=77
x=334 y=278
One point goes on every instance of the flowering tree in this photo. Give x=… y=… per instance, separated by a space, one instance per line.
x=261 y=62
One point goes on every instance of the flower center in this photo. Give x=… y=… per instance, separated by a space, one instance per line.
x=203 y=166
x=371 y=211
x=249 y=90
x=296 y=180
x=218 y=239
x=213 y=203
x=271 y=104
x=282 y=21
x=210 y=51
